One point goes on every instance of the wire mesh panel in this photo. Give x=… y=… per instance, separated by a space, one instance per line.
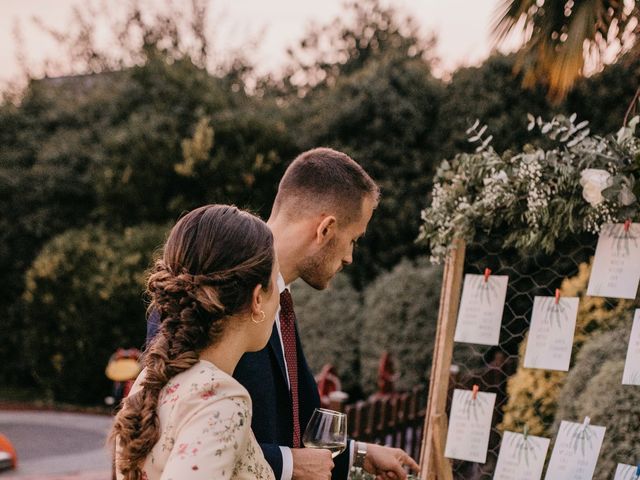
x=491 y=366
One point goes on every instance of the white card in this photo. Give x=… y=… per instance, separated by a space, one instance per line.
x=470 y=426
x=521 y=458
x=576 y=451
x=481 y=308
x=626 y=472
x=631 y=375
x=616 y=268
x=550 y=337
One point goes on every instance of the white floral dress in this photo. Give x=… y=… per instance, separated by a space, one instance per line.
x=205 y=429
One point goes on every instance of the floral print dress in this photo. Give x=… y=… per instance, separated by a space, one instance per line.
x=205 y=429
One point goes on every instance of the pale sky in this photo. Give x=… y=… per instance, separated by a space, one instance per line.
x=462 y=26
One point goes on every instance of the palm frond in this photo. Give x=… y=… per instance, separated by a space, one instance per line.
x=561 y=33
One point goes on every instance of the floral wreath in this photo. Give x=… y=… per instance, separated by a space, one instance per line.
x=578 y=184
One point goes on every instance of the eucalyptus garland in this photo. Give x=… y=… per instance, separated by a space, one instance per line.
x=540 y=196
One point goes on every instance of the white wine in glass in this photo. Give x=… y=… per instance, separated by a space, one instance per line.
x=327 y=429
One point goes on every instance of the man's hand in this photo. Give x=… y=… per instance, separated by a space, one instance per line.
x=388 y=463
x=311 y=464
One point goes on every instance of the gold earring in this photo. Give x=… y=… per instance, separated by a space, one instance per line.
x=261 y=320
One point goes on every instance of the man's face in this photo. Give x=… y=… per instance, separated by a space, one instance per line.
x=318 y=269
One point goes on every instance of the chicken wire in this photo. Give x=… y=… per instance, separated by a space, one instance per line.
x=490 y=367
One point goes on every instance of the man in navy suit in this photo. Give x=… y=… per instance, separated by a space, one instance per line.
x=324 y=203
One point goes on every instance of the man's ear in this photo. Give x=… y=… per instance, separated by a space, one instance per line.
x=326 y=229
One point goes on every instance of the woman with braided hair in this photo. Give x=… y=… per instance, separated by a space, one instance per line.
x=215 y=288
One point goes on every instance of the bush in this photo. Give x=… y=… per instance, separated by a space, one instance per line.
x=330 y=327
x=533 y=393
x=82 y=300
x=594 y=388
x=400 y=316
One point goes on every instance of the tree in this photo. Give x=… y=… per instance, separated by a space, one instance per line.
x=605 y=98
x=83 y=298
x=45 y=188
x=494 y=95
x=366 y=31
x=560 y=35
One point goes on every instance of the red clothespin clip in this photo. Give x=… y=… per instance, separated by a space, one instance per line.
x=557 y=296
x=627 y=224
x=487 y=274
x=474 y=392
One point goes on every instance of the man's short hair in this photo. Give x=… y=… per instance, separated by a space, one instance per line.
x=325 y=179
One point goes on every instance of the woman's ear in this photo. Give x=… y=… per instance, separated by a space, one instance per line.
x=257 y=300
x=326 y=229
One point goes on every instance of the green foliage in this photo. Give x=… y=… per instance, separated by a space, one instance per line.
x=45 y=188
x=156 y=133
x=158 y=107
x=603 y=99
x=492 y=93
x=83 y=299
x=541 y=196
x=330 y=327
x=249 y=153
x=400 y=316
x=594 y=388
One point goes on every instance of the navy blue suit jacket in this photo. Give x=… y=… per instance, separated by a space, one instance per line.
x=263 y=374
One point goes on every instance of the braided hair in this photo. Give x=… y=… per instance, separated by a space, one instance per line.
x=212 y=261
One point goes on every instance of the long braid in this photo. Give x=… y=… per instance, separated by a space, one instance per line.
x=213 y=259
x=174 y=350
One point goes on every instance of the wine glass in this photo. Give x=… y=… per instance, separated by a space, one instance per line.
x=327 y=429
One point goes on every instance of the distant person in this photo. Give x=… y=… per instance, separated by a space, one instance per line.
x=324 y=203
x=215 y=289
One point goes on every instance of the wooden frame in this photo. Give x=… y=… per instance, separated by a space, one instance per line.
x=433 y=464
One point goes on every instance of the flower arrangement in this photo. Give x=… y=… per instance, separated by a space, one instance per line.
x=577 y=184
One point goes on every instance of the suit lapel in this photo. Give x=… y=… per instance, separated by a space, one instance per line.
x=276 y=348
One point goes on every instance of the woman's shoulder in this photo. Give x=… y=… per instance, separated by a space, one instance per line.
x=202 y=384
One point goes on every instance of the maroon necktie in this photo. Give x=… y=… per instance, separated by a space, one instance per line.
x=288 y=332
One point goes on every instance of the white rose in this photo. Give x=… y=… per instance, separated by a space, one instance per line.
x=502 y=176
x=593 y=182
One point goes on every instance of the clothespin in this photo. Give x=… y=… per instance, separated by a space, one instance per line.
x=525 y=432
x=586 y=423
x=474 y=392
x=627 y=224
x=557 y=296
x=487 y=274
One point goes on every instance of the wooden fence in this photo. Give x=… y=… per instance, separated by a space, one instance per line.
x=395 y=420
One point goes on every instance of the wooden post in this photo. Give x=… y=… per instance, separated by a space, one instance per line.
x=433 y=464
